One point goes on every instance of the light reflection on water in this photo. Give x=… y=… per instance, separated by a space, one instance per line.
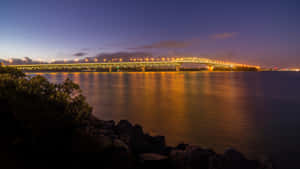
x=257 y=113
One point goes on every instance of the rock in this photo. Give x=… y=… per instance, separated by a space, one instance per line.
x=138 y=130
x=152 y=157
x=105 y=132
x=124 y=126
x=265 y=163
x=152 y=160
x=137 y=140
x=120 y=145
x=216 y=162
x=108 y=124
x=104 y=124
x=182 y=146
x=118 y=156
x=167 y=150
x=158 y=141
x=232 y=154
x=233 y=159
x=104 y=142
x=148 y=144
x=178 y=159
x=192 y=157
x=197 y=157
x=125 y=139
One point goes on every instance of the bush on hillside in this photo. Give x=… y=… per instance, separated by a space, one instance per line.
x=36 y=112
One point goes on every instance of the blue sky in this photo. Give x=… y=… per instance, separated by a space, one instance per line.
x=256 y=32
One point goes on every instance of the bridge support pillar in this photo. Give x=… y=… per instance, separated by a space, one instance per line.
x=109 y=69
x=178 y=68
x=210 y=68
x=143 y=68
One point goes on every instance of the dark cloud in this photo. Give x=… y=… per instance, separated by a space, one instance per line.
x=167 y=45
x=122 y=54
x=17 y=61
x=85 y=49
x=80 y=54
x=225 y=35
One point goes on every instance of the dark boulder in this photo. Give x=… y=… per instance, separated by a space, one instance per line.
x=233 y=159
x=178 y=159
x=232 y=154
x=152 y=160
x=198 y=158
x=124 y=127
x=182 y=146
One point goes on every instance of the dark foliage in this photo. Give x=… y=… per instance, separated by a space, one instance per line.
x=37 y=115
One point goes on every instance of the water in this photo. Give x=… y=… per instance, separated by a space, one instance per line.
x=256 y=112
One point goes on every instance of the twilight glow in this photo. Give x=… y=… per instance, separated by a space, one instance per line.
x=255 y=32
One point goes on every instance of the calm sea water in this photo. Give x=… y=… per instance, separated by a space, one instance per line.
x=256 y=112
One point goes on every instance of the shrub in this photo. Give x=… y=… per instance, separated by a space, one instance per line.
x=40 y=112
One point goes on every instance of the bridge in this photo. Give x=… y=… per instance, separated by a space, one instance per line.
x=134 y=63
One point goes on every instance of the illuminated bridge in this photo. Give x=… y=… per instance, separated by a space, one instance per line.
x=141 y=64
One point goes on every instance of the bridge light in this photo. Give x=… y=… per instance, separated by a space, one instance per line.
x=210 y=68
x=147 y=59
x=104 y=60
x=121 y=60
x=163 y=59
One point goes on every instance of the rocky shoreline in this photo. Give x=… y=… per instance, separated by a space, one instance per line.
x=132 y=148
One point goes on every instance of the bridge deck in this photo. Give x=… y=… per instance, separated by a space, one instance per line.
x=174 y=62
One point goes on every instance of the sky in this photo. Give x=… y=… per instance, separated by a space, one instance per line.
x=265 y=32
